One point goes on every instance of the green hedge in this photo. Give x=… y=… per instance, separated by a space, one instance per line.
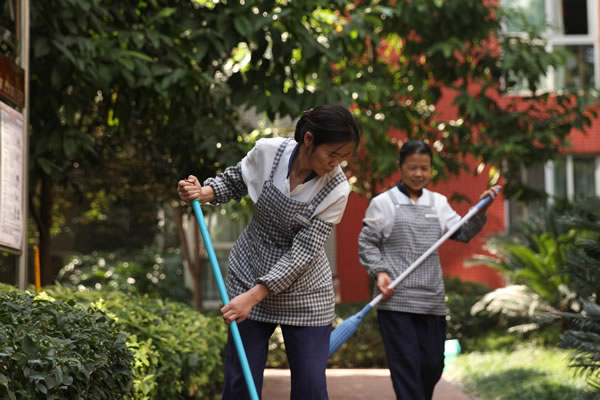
x=147 y=271
x=177 y=352
x=56 y=350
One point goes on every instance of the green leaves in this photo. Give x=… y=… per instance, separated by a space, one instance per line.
x=178 y=352
x=57 y=351
x=164 y=13
x=242 y=25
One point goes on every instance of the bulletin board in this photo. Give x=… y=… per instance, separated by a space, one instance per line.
x=12 y=156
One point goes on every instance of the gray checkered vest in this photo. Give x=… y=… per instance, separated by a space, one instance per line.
x=309 y=299
x=416 y=229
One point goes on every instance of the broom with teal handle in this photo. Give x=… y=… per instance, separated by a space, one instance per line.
x=347 y=328
x=235 y=332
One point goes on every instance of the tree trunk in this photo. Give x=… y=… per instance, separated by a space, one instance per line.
x=190 y=264
x=44 y=224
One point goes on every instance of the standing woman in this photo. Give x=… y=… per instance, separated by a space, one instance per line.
x=278 y=270
x=400 y=225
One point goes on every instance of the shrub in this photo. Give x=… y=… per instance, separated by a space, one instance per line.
x=460 y=298
x=178 y=352
x=363 y=350
x=583 y=266
x=147 y=271
x=55 y=350
x=532 y=253
x=585 y=339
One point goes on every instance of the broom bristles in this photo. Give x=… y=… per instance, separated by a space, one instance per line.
x=346 y=329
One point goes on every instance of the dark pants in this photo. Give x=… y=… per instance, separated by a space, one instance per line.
x=307 y=349
x=414 y=347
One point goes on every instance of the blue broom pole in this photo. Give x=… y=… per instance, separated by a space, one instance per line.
x=235 y=332
x=347 y=328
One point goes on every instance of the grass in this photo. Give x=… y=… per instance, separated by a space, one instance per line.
x=527 y=373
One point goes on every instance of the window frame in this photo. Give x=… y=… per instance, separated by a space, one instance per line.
x=555 y=39
x=570 y=176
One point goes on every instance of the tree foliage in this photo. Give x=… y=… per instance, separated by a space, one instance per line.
x=126 y=98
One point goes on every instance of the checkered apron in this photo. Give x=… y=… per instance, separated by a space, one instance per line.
x=416 y=229
x=309 y=299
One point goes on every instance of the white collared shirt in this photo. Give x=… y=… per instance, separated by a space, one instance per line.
x=379 y=215
x=256 y=168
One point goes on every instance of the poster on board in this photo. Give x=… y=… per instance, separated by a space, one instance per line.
x=11 y=177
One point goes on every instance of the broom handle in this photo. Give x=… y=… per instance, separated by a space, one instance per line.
x=475 y=209
x=233 y=328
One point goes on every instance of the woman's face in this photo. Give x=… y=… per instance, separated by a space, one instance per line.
x=416 y=172
x=324 y=158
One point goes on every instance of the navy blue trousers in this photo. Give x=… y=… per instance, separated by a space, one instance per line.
x=307 y=349
x=414 y=348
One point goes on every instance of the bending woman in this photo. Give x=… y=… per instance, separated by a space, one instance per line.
x=278 y=270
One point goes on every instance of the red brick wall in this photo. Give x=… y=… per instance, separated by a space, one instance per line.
x=588 y=143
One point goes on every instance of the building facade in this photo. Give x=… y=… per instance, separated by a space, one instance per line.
x=572 y=27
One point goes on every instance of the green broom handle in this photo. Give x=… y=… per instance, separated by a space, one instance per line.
x=235 y=333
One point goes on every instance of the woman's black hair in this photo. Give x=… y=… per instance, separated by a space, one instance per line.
x=414 y=147
x=328 y=123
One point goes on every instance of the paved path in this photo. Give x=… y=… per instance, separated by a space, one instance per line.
x=352 y=384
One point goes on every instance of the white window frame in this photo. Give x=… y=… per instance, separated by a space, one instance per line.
x=570 y=176
x=554 y=39
x=591 y=39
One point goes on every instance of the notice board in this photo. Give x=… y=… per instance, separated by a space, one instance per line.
x=12 y=152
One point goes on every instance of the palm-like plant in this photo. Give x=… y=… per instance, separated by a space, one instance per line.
x=582 y=263
x=582 y=258
x=557 y=255
x=531 y=254
x=585 y=339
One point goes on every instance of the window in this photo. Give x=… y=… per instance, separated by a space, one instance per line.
x=573 y=28
x=574 y=176
x=568 y=177
x=534 y=11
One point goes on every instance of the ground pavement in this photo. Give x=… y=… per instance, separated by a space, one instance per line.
x=352 y=384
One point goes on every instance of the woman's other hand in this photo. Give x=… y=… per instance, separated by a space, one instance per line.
x=383 y=283
x=492 y=192
x=240 y=306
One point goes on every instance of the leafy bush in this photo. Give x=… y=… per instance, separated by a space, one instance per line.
x=583 y=265
x=537 y=267
x=55 y=350
x=147 y=271
x=460 y=298
x=178 y=352
x=582 y=256
x=363 y=350
x=532 y=253
x=585 y=339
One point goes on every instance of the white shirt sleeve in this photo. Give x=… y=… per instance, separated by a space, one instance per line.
x=332 y=207
x=448 y=217
x=256 y=165
x=380 y=214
